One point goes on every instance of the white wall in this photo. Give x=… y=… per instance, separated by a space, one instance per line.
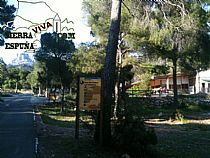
x=202 y=77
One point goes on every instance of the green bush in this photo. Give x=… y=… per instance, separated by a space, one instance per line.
x=179 y=116
x=133 y=137
x=196 y=102
x=70 y=96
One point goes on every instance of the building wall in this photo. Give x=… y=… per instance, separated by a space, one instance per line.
x=180 y=80
x=167 y=82
x=202 y=83
x=192 y=85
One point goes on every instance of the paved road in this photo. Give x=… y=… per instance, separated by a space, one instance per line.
x=17 y=127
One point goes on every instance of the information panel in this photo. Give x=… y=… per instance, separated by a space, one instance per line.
x=89 y=93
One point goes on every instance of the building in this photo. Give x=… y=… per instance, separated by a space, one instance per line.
x=200 y=83
x=184 y=82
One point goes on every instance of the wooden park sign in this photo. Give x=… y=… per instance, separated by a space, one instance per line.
x=88 y=97
x=89 y=93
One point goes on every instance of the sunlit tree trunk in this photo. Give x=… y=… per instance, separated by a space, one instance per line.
x=117 y=85
x=110 y=71
x=62 y=98
x=54 y=93
x=40 y=91
x=47 y=92
x=16 y=86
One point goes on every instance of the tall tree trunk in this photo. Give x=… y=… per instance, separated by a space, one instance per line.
x=62 y=99
x=176 y=49
x=40 y=91
x=70 y=91
x=117 y=85
x=175 y=78
x=47 y=92
x=54 y=93
x=123 y=95
x=116 y=92
x=16 y=86
x=110 y=71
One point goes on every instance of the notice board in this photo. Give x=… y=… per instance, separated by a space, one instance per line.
x=89 y=93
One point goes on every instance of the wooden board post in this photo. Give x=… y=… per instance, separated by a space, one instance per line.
x=77 y=110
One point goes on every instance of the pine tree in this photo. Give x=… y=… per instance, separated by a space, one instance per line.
x=6 y=19
x=109 y=70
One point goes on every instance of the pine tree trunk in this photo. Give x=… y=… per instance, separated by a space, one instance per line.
x=110 y=71
x=62 y=99
x=70 y=91
x=54 y=93
x=123 y=93
x=39 y=93
x=117 y=85
x=46 y=92
x=175 y=78
x=176 y=49
x=16 y=87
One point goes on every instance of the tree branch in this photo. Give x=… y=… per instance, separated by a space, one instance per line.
x=128 y=9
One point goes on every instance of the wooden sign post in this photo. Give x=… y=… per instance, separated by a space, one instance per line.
x=90 y=93
x=88 y=97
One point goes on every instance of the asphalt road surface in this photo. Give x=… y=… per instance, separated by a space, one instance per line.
x=17 y=127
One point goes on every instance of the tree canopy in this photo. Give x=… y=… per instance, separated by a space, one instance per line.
x=54 y=53
x=158 y=23
x=6 y=19
x=87 y=60
x=3 y=71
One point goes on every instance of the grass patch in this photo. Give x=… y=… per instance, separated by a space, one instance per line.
x=190 y=139
x=58 y=121
x=191 y=143
x=187 y=135
x=55 y=110
x=51 y=114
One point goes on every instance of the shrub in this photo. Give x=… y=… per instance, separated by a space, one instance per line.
x=133 y=137
x=70 y=96
x=179 y=116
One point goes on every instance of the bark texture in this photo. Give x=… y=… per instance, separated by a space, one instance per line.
x=110 y=71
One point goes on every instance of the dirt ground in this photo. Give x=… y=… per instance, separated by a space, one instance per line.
x=59 y=142
x=187 y=138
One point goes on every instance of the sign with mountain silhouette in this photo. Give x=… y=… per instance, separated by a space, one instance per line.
x=28 y=28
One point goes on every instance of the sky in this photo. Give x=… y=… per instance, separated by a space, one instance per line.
x=31 y=14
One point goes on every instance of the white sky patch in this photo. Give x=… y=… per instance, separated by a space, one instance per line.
x=30 y=12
